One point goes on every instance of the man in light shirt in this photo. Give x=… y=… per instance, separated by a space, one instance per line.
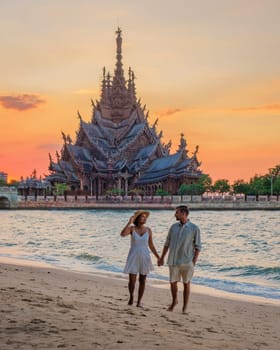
x=183 y=243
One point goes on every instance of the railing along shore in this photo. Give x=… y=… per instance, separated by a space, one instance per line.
x=152 y=202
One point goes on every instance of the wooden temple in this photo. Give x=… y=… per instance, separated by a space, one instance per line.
x=118 y=149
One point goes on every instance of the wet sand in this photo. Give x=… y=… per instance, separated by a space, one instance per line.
x=47 y=308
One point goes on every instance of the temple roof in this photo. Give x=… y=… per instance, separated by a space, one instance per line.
x=165 y=162
x=172 y=166
x=146 y=152
x=55 y=167
x=106 y=137
x=80 y=153
x=105 y=166
x=119 y=138
x=57 y=177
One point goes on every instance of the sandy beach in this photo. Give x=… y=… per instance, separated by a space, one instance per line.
x=47 y=308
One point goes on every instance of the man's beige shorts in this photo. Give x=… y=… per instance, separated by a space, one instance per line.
x=181 y=271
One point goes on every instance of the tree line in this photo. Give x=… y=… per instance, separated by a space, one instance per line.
x=267 y=184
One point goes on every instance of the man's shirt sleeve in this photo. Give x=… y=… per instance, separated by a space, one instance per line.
x=167 y=241
x=197 y=241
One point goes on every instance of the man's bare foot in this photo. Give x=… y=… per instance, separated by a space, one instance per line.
x=184 y=311
x=171 y=307
x=139 y=305
x=130 y=301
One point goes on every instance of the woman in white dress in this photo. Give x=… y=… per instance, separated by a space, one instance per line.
x=138 y=259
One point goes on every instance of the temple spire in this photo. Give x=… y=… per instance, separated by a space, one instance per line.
x=104 y=90
x=131 y=86
x=183 y=145
x=119 y=91
x=118 y=96
x=119 y=74
x=119 y=50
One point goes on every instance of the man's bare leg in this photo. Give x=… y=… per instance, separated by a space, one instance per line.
x=131 y=287
x=174 y=291
x=186 y=296
x=142 y=283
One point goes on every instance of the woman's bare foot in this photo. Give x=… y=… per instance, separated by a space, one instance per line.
x=130 y=301
x=171 y=307
x=139 y=305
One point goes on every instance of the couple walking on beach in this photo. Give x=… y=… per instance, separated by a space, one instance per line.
x=183 y=244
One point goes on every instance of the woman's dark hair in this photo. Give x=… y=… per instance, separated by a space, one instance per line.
x=183 y=209
x=136 y=221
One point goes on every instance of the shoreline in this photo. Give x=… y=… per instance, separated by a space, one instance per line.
x=45 y=308
x=157 y=283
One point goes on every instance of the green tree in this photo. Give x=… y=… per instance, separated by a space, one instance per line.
x=191 y=189
x=3 y=183
x=221 y=186
x=273 y=176
x=161 y=192
x=206 y=182
x=258 y=185
x=241 y=187
x=267 y=184
x=60 y=188
x=274 y=171
x=115 y=192
x=276 y=186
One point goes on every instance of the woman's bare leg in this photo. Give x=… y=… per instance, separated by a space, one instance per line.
x=142 y=283
x=131 y=287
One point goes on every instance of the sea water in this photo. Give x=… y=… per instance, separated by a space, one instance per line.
x=240 y=249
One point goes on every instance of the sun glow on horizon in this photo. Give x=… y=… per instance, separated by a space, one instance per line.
x=212 y=75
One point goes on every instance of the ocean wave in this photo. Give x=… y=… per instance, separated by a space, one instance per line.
x=88 y=257
x=239 y=287
x=272 y=272
x=9 y=244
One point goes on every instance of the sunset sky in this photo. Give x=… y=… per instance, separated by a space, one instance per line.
x=207 y=68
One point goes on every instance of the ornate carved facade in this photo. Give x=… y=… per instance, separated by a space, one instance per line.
x=118 y=148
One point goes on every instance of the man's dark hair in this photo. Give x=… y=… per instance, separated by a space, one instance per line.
x=183 y=209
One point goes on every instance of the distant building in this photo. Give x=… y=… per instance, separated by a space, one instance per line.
x=33 y=186
x=118 y=149
x=3 y=177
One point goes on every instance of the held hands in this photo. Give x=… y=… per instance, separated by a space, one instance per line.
x=160 y=262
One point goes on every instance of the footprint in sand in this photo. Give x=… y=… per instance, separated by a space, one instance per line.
x=28 y=300
x=67 y=306
x=211 y=330
x=37 y=321
x=172 y=321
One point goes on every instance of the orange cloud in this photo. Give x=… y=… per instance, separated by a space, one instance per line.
x=273 y=107
x=167 y=112
x=21 y=102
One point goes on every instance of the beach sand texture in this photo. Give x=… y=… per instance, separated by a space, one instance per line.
x=45 y=308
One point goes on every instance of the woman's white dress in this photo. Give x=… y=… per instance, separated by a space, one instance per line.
x=139 y=259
